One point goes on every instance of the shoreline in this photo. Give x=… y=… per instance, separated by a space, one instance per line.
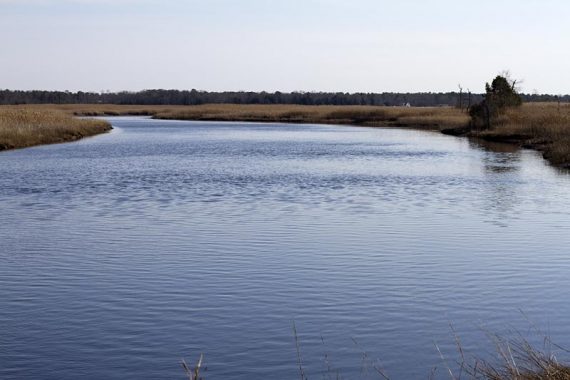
x=538 y=126
x=25 y=127
x=64 y=140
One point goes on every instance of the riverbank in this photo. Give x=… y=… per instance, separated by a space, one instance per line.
x=414 y=117
x=544 y=127
x=25 y=127
x=541 y=126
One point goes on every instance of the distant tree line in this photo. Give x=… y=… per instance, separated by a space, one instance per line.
x=194 y=97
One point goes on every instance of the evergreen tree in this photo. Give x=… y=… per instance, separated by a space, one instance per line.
x=499 y=95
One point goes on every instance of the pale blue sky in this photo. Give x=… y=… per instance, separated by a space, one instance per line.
x=309 y=45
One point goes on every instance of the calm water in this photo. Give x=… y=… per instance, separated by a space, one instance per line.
x=123 y=253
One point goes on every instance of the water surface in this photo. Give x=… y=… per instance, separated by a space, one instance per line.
x=123 y=253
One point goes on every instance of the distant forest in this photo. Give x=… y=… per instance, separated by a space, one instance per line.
x=194 y=97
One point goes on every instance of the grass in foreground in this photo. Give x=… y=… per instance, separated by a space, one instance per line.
x=516 y=360
x=520 y=361
x=24 y=127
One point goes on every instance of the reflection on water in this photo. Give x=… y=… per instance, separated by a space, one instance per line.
x=164 y=239
x=493 y=146
x=504 y=161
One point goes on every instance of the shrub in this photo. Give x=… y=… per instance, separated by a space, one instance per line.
x=499 y=95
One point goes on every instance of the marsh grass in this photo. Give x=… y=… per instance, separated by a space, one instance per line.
x=22 y=127
x=425 y=117
x=519 y=360
x=513 y=358
x=542 y=126
x=98 y=109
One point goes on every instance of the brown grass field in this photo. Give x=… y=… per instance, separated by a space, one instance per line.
x=24 y=127
x=417 y=117
x=425 y=117
x=541 y=126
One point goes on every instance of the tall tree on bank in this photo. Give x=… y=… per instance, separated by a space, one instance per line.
x=499 y=95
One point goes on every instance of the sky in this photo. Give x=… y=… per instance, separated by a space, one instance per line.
x=285 y=45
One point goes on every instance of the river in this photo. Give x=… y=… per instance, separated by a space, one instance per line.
x=123 y=253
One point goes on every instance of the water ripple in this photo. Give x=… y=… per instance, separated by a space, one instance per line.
x=122 y=253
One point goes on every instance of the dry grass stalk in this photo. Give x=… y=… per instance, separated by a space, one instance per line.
x=516 y=360
x=519 y=360
x=368 y=362
x=193 y=374
x=298 y=348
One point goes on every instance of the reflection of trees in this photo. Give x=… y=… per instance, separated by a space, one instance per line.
x=501 y=169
